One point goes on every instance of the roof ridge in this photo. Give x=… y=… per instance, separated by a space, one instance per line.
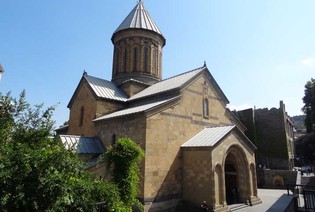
x=139 y=18
x=81 y=136
x=222 y=125
x=136 y=109
x=168 y=84
x=97 y=78
x=183 y=73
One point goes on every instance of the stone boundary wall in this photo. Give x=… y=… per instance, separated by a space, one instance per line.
x=277 y=178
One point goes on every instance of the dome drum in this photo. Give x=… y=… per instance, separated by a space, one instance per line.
x=137 y=55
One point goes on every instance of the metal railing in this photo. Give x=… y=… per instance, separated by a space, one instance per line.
x=100 y=206
x=305 y=196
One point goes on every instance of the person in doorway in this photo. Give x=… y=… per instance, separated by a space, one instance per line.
x=204 y=206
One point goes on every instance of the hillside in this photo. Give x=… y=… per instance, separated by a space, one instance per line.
x=298 y=122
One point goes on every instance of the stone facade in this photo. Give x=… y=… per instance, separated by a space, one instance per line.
x=178 y=123
x=277 y=178
x=162 y=116
x=83 y=110
x=272 y=132
x=137 y=54
x=84 y=107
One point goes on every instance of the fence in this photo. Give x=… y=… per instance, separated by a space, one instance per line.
x=305 y=196
x=100 y=207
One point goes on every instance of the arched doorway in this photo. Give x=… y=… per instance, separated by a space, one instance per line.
x=237 y=186
x=231 y=183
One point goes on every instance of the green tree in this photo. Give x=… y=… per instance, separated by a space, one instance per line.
x=305 y=148
x=36 y=172
x=309 y=106
x=123 y=160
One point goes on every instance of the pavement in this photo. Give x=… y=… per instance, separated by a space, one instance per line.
x=269 y=197
x=273 y=199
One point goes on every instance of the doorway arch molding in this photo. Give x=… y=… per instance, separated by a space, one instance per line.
x=219 y=185
x=236 y=156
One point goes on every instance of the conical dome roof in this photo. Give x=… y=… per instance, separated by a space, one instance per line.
x=139 y=18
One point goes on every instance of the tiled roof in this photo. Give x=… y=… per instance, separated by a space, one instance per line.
x=168 y=84
x=83 y=145
x=134 y=110
x=139 y=18
x=209 y=136
x=105 y=89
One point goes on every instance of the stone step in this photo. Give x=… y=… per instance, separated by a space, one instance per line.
x=236 y=207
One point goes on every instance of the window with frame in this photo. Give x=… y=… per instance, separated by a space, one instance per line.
x=81 y=116
x=125 y=60
x=114 y=139
x=145 y=59
x=117 y=61
x=135 y=59
x=155 y=59
x=206 y=107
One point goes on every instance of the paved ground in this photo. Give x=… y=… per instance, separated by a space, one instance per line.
x=268 y=197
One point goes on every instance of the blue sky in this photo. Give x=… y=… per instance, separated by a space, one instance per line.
x=259 y=52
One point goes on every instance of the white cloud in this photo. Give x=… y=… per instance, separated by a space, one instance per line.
x=239 y=107
x=310 y=62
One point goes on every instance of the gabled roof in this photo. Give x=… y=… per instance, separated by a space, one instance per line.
x=168 y=84
x=102 y=89
x=211 y=136
x=178 y=82
x=105 y=89
x=83 y=145
x=139 y=18
x=208 y=137
x=134 y=80
x=137 y=109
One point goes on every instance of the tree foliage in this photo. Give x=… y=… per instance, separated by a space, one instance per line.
x=305 y=148
x=309 y=106
x=123 y=159
x=36 y=172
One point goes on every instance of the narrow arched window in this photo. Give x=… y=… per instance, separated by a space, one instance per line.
x=145 y=59
x=81 y=116
x=155 y=60
x=125 y=60
x=135 y=59
x=117 y=61
x=205 y=107
x=113 y=139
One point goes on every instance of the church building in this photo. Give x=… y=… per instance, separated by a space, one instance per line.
x=195 y=148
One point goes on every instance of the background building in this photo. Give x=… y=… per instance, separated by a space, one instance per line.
x=272 y=131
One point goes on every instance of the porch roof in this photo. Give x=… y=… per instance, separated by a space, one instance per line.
x=83 y=145
x=209 y=136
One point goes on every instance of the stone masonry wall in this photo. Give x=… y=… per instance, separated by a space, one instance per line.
x=92 y=108
x=198 y=175
x=271 y=139
x=169 y=129
x=106 y=107
x=83 y=101
x=133 y=127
